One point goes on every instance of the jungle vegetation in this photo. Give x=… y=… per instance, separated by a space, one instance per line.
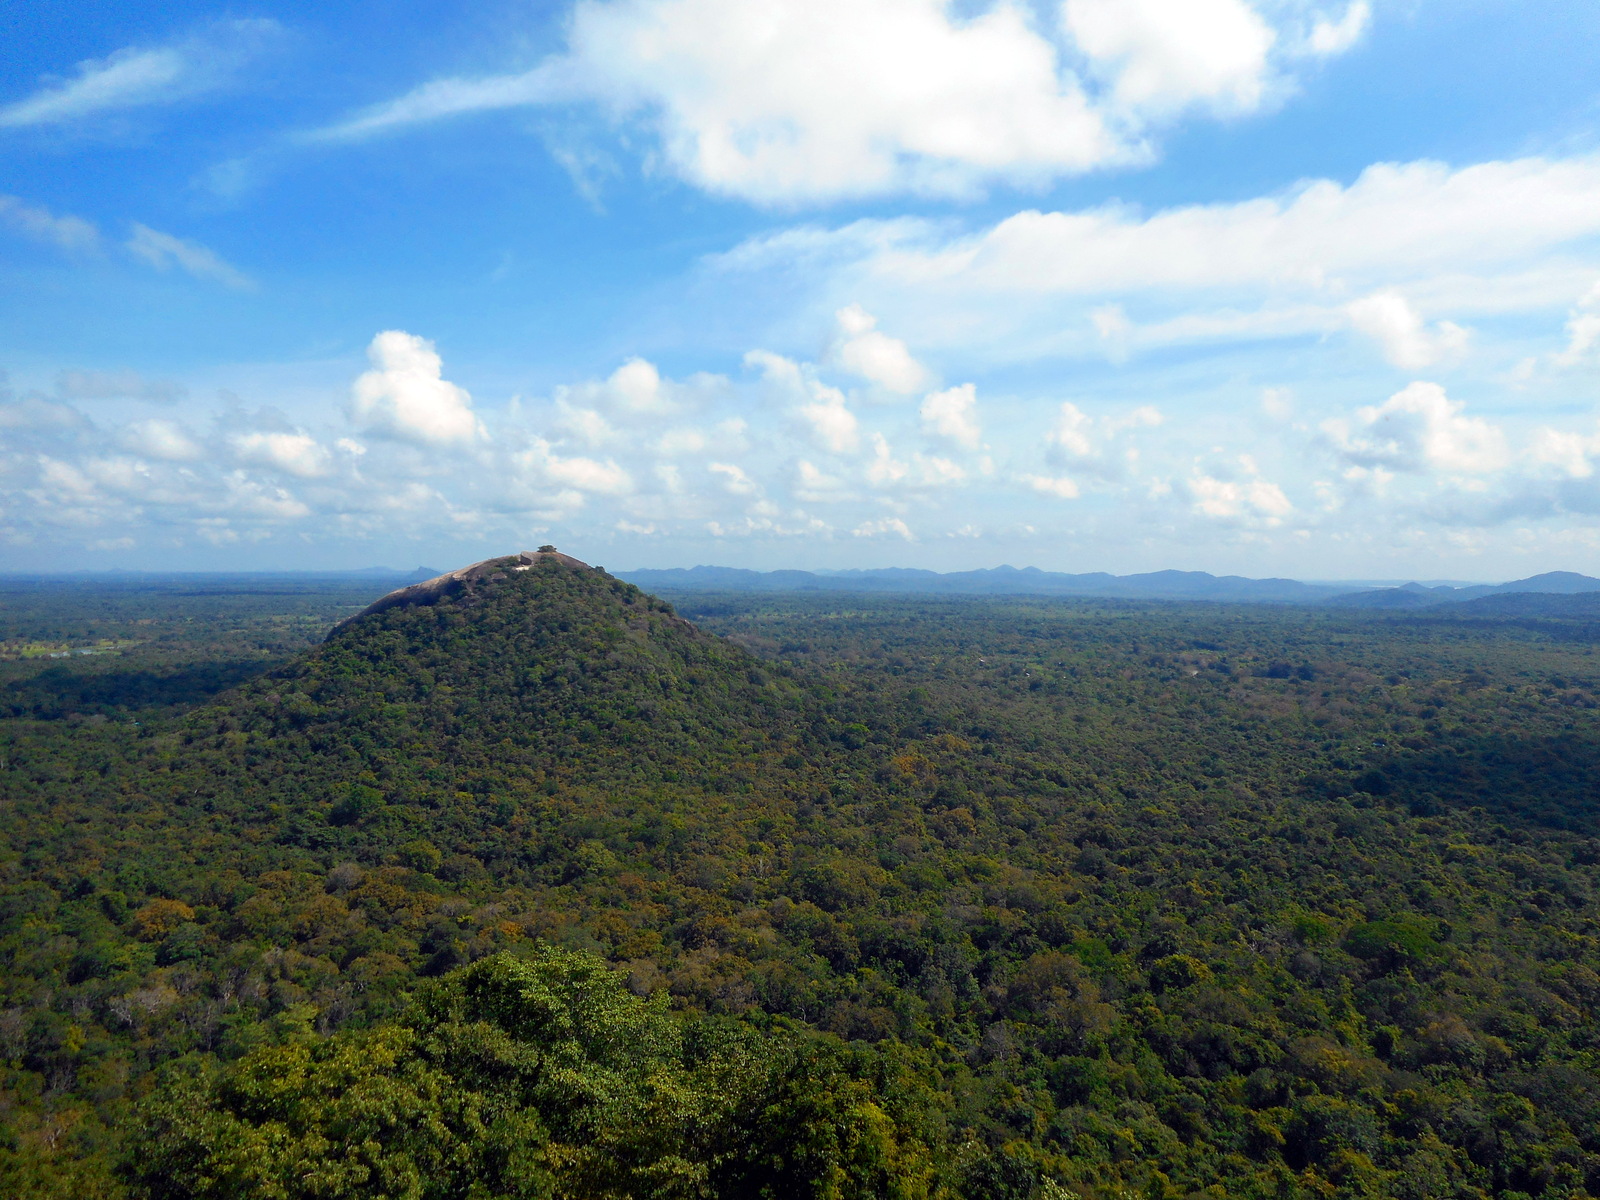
x=546 y=890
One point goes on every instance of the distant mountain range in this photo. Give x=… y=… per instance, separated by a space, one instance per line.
x=1154 y=585
x=1414 y=595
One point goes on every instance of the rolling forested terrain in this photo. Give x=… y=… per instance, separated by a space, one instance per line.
x=550 y=888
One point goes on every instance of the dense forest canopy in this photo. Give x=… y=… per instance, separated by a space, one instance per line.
x=548 y=887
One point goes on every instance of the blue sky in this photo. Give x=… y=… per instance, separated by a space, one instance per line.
x=1289 y=287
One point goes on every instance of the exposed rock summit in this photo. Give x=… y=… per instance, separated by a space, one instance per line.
x=441 y=587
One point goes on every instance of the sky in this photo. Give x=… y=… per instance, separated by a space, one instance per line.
x=1302 y=288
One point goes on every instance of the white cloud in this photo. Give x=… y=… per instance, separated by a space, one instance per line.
x=1070 y=435
x=1112 y=327
x=65 y=231
x=813 y=485
x=406 y=396
x=1583 y=335
x=1583 y=330
x=1491 y=239
x=832 y=424
x=793 y=101
x=884 y=470
x=1395 y=218
x=821 y=409
x=1565 y=452
x=884 y=527
x=1388 y=319
x=1164 y=55
x=584 y=424
x=166 y=440
x=163 y=251
x=784 y=100
x=952 y=414
x=138 y=76
x=862 y=349
x=1085 y=443
x=735 y=480
x=580 y=474
x=442 y=98
x=253 y=498
x=128 y=77
x=635 y=389
x=1239 y=495
x=1335 y=37
x=295 y=453
x=1419 y=429
x=1059 y=486
x=682 y=441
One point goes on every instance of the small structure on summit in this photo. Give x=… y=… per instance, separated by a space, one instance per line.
x=431 y=591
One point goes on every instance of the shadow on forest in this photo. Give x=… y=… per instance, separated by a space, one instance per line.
x=1551 y=781
x=61 y=692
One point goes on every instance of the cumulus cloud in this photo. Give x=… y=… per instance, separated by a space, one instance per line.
x=1085 y=442
x=832 y=424
x=1419 y=429
x=1087 y=445
x=1329 y=37
x=884 y=470
x=884 y=527
x=862 y=349
x=163 y=251
x=406 y=396
x=635 y=389
x=1406 y=340
x=1060 y=486
x=297 y=454
x=135 y=76
x=166 y=440
x=1583 y=335
x=1163 y=55
x=813 y=485
x=585 y=425
x=734 y=479
x=1583 y=330
x=579 y=473
x=953 y=415
x=64 y=231
x=1238 y=495
x=921 y=472
x=1417 y=460
x=1563 y=452
x=821 y=409
x=789 y=101
x=784 y=100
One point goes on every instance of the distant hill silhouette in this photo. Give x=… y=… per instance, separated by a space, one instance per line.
x=995 y=581
x=1414 y=595
x=1151 y=585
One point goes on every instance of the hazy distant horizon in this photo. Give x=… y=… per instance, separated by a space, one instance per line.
x=381 y=571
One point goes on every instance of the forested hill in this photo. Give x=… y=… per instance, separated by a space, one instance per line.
x=520 y=884
x=511 y=677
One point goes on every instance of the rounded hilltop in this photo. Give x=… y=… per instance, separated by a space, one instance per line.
x=451 y=583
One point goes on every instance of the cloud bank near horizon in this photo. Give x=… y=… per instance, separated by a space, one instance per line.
x=866 y=447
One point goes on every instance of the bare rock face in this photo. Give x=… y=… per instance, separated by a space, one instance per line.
x=451 y=583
